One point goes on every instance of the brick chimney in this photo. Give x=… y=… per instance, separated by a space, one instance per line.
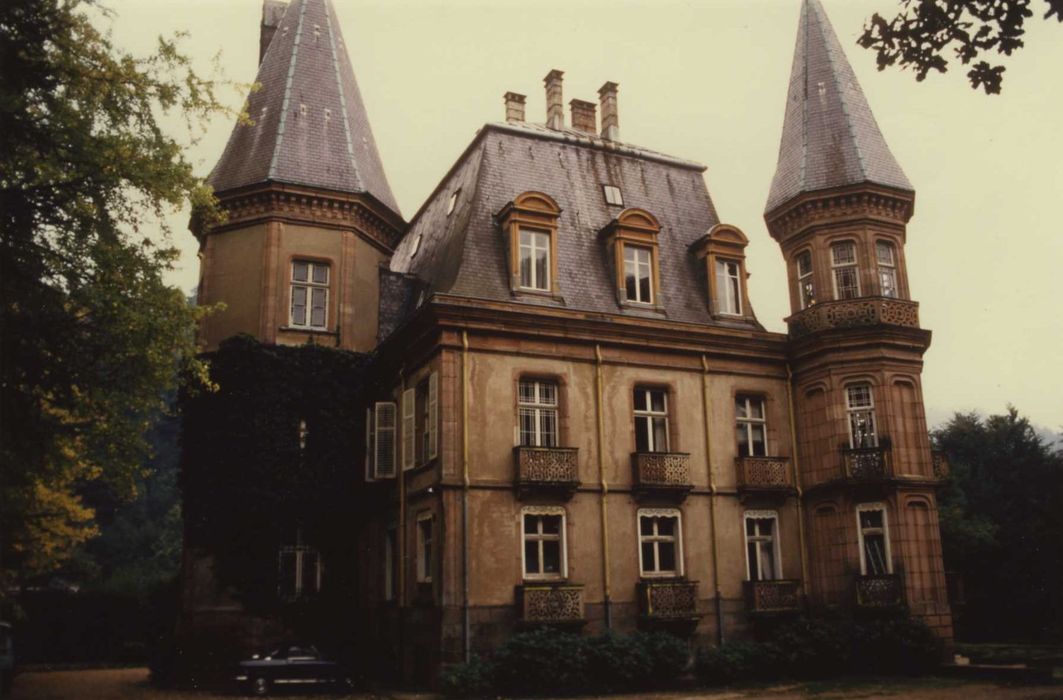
x=555 y=108
x=584 y=116
x=272 y=13
x=610 y=116
x=514 y=107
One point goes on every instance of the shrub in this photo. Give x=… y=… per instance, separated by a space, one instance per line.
x=471 y=680
x=738 y=661
x=669 y=656
x=813 y=647
x=896 y=645
x=541 y=662
x=617 y=663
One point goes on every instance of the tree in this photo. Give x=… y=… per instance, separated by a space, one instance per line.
x=920 y=34
x=1001 y=526
x=91 y=338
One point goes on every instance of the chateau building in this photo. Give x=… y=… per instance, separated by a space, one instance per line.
x=569 y=413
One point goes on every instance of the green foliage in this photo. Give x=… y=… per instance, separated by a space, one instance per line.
x=738 y=661
x=541 y=662
x=471 y=680
x=669 y=655
x=813 y=647
x=1002 y=521
x=905 y=646
x=920 y=34
x=91 y=337
x=616 y=663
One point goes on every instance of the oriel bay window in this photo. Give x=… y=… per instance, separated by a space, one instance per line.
x=874 y=539
x=750 y=426
x=762 y=546
x=309 y=295
x=660 y=542
x=651 y=420
x=860 y=409
x=845 y=271
x=537 y=413
x=530 y=224
x=805 y=284
x=543 y=529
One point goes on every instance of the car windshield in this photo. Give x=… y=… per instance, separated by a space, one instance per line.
x=302 y=653
x=278 y=654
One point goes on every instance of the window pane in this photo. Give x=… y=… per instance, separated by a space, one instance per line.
x=531 y=557
x=542 y=268
x=648 y=563
x=666 y=527
x=870 y=519
x=551 y=524
x=551 y=557
x=527 y=427
x=660 y=435
x=317 y=309
x=642 y=434
x=320 y=274
x=645 y=294
x=657 y=401
x=767 y=561
x=741 y=407
x=875 y=554
x=299 y=271
x=843 y=253
x=888 y=282
x=845 y=280
x=804 y=264
x=754 y=560
x=529 y=523
x=525 y=265
x=758 y=446
x=756 y=408
x=884 y=253
x=547 y=393
x=630 y=283
x=298 y=306
x=547 y=428
x=640 y=399
x=742 y=437
x=646 y=526
x=666 y=554
x=526 y=392
x=859 y=396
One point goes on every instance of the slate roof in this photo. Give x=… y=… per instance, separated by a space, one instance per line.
x=830 y=137
x=465 y=253
x=311 y=126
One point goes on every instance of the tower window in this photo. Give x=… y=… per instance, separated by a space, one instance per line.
x=750 y=426
x=846 y=274
x=309 y=295
x=613 y=195
x=874 y=540
x=728 y=287
x=804 y=280
x=887 y=268
x=534 y=260
x=651 y=420
x=860 y=407
x=538 y=413
x=638 y=274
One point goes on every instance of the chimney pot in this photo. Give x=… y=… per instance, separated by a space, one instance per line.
x=272 y=14
x=514 y=107
x=584 y=116
x=610 y=115
x=555 y=108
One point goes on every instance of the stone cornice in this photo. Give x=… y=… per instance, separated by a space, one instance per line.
x=860 y=202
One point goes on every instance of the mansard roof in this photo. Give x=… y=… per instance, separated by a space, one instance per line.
x=830 y=137
x=465 y=253
x=310 y=124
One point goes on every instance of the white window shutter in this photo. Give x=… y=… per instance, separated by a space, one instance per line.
x=433 y=415
x=409 y=428
x=370 y=447
x=385 y=439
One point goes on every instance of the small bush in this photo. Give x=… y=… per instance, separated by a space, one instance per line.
x=813 y=647
x=669 y=656
x=541 y=662
x=738 y=661
x=903 y=645
x=471 y=680
x=617 y=663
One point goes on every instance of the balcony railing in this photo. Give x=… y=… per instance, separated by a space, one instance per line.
x=770 y=474
x=550 y=604
x=668 y=600
x=940 y=464
x=854 y=313
x=880 y=591
x=547 y=469
x=783 y=595
x=867 y=463
x=662 y=473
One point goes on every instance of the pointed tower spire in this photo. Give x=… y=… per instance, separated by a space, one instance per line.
x=830 y=137
x=310 y=124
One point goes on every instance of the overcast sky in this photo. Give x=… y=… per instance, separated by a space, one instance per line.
x=706 y=80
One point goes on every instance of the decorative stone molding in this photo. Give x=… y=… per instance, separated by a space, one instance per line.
x=782 y=595
x=547 y=468
x=550 y=603
x=662 y=473
x=862 y=202
x=881 y=591
x=668 y=600
x=764 y=474
x=854 y=313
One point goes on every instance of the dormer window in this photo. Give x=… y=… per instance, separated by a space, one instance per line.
x=845 y=272
x=453 y=202
x=724 y=250
x=415 y=246
x=638 y=274
x=613 y=195
x=633 y=239
x=728 y=287
x=529 y=223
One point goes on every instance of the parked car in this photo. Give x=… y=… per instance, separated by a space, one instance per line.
x=292 y=667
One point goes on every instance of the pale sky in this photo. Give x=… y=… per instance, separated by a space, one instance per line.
x=706 y=80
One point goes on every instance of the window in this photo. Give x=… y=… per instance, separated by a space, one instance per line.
x=453 y=201
x=874 y=539
x=728 y=287
x=544 y=542
x=534 y=260
x=537 y=408
x=651 y=420
x=380 y=426
x=391 y=558
x=424 y=548
x=420 y=419
x=660 y=544
x=304 y=432
x=750 y=426
x=762 y=546
x=887 y=268
x=415 y=246
x=299 y=570
x=309 y=295
x=846 y=277
x=804 y=280
x=613 y=195
x=638 y=274
x=860 y=407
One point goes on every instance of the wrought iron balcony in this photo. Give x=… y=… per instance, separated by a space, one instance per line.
x=547 y=469
x=662 y=473
x=867 y=464
x=550 y=603
x=879 y=592
x=782 y=595
x=940 y=464
x=854 y=313
x=764 y=474
x=671 y=600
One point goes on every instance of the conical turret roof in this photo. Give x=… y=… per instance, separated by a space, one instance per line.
x=830 y=137
x=310 y=124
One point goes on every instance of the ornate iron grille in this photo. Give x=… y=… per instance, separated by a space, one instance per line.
x=881 y=591
x=551 y=603
x=782 y=595
x=663 y=469
x=867 y=463
x=669 y=600
x=852 y=313
x=548 y=465
x=764 y=473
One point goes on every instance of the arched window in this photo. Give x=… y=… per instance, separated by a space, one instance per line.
x=860 y=409
x=845 y=271
x=886 y=259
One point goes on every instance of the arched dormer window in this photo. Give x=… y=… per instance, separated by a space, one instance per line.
x=724 y=250
x=632 y=236
x=529 y=224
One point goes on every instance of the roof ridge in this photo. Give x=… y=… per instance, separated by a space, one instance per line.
x=339 y=89
x=272 y=173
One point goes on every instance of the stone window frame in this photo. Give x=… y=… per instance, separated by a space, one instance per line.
x=870 y=409
x=835 y=266
x=722 y=244
x=667 y=415
x=562 y=574
x=749 y=421
x=293 y=284
x=775 y=541
x=538 y=212
x=636 y=228
x=675 y=513
x=556 y=406
x=882 y=507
